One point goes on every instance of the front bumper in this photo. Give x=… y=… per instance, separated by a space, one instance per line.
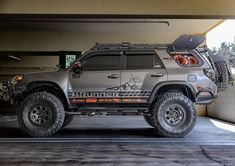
x=8 y=92
x=3 y=92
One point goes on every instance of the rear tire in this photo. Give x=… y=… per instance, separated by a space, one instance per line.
x=173 y=114
x=41 y=114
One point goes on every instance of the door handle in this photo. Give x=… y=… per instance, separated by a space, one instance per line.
x=156 y=75
x=113 y=76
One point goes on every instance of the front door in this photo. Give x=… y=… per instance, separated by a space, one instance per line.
x=142 y=71
x=98 y=81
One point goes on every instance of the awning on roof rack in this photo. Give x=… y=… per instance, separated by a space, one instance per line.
x=186 y=42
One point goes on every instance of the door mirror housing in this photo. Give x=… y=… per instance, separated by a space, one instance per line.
x=77 y=68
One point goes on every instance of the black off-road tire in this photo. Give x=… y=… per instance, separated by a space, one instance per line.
x=222 y=71
x=148 y=118
x=67 y=120
x=177 y=102
x=41 y=105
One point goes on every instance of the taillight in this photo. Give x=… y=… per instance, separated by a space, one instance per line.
x=185 y=59
x=210 y=73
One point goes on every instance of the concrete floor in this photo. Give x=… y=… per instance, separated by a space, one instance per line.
x=116 y=140
x=123 y=129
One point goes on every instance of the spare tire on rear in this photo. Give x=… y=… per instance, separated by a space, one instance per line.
x=222 y=71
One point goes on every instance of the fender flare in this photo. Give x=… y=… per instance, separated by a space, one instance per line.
x=35 y=85
x=165 y=83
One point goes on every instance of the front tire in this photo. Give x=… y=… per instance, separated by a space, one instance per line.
x=174 y=115
x=41 y=114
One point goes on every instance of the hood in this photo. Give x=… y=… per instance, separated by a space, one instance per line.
x=58 y=77
x=40 y=72
x=186 y=42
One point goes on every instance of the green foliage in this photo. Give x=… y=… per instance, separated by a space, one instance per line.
x=227 y=51
x=225 y=48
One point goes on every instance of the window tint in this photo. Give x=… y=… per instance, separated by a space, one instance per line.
x=101 y=62
x=142 y=61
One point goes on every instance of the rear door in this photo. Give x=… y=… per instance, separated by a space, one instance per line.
x=142 y=71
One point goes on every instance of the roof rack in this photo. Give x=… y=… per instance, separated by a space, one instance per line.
x=126 y=45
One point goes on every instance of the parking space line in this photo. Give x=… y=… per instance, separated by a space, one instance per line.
x=8 y=118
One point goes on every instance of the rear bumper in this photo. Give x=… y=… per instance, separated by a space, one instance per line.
x=205 y=98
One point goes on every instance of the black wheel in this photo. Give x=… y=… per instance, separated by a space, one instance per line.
x=148 y=118
x=222 y=71
x=67 y=120
x=41 y=114
x=174 y=115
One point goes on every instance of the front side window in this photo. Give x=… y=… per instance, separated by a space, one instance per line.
x=142 y=61
x=101 y=62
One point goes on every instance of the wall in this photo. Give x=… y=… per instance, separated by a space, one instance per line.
x=58 y=36
x=10 y=67
x=47 y=41
x=30 y=61
x=224 y=106
x=28 y=64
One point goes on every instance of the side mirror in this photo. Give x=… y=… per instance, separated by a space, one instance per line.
x=77 y=68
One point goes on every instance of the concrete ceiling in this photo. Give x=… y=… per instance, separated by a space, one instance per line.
x=157 y=8
x=190 y=26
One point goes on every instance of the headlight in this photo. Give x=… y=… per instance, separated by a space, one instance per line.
x=16 y=79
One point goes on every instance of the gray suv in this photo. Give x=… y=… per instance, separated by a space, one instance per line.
x=162 y=82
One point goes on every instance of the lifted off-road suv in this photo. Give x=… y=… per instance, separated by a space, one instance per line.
x=162 y=82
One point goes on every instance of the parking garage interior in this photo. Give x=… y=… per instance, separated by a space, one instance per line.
x=51 y=35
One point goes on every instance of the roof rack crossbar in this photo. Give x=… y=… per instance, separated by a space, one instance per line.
x=127 y=45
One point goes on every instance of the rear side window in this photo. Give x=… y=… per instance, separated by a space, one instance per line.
x=142 y=61
x=186 y=59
